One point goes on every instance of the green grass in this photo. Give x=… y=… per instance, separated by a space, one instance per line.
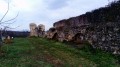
x=40 y=52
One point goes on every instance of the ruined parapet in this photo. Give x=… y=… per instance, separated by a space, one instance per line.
x=33 y=29
x=41 y=30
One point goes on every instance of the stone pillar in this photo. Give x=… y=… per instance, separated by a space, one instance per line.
x=33 y=29
x=41 y=30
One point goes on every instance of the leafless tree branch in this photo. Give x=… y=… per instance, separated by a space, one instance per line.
x=5 y=13
x=6 y=22
x=11 y=22
x=7 y=27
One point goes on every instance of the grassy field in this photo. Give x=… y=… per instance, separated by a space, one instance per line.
x=39 y=52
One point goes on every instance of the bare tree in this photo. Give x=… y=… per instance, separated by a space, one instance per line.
x=6 y=22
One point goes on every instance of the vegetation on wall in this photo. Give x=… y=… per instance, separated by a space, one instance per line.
x=110 y=13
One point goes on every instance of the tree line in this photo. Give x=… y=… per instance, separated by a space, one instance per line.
x=16 y=33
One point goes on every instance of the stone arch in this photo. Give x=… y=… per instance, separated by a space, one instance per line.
x=55 y=36
x=78 y=38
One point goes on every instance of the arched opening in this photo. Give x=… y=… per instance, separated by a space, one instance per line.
x=52 y=29
x=78 y=38
x=55 y=36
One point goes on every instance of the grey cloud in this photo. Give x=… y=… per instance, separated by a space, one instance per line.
x=56 y=4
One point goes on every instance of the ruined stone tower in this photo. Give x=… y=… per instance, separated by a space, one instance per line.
x=33 y=29
x=41 y=30
x=38 y=31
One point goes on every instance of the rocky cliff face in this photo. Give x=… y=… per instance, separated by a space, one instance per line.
x=101 y=28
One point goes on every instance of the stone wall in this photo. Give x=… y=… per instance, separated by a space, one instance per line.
x=104 y=35
x=100 y=28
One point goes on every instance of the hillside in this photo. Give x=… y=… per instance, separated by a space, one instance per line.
x=39 y=52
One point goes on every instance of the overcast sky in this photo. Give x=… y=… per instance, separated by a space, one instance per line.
x=46 y=11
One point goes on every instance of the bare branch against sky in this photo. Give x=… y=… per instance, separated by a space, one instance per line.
x=5 y=13
x=3 y=22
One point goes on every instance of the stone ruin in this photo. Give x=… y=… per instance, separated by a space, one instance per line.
x=104 y=35
x=33 y=29
x=100 y=28
x=37 y=31
x=41 y=30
